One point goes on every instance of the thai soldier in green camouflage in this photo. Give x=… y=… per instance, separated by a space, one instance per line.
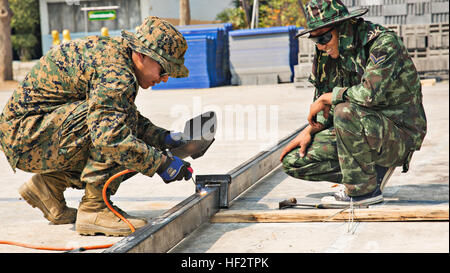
x=367 y=116
x=73 y=122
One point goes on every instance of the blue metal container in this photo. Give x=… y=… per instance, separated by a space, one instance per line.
x=199 y=59
x=207 y=57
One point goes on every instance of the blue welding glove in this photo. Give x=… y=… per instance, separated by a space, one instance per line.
x=174 y=139
x=175 y=169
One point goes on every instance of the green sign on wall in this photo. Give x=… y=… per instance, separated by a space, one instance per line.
x=101 y=15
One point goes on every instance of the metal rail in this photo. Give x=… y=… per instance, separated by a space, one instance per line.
x=170 y=228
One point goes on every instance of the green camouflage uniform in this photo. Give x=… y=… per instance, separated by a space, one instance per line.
x=75 y=110
x=377 y=117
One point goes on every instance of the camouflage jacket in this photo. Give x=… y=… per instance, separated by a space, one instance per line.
x=97 y=70
x=373 y=70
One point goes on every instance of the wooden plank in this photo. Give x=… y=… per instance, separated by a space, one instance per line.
x=374 y=214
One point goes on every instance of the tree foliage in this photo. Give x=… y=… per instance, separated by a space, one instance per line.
x=25 y=26
x=235 y=16
x=271 y=13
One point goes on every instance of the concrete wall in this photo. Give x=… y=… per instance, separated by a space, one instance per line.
x=67 y=14
x=205 y=10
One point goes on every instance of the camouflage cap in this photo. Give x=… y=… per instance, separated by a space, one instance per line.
x=324 y=13
x=163 y=43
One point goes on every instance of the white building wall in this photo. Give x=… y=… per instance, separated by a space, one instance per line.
x=205 y=10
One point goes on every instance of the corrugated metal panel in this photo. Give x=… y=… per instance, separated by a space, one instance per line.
x=264 y=55
x=198 y=59
x=207 y=57
x=222 y=57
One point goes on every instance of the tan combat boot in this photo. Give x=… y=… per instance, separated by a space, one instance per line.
x=94 y=217
x=45 y=191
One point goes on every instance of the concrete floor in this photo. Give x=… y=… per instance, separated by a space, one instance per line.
x=148 y=197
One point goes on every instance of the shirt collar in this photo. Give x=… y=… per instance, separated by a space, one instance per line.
x=354 y=35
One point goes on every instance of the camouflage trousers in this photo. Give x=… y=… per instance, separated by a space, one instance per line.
x=70 y=155
x=348 y=152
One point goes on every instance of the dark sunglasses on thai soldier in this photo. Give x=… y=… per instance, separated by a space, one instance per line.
x=322 y=39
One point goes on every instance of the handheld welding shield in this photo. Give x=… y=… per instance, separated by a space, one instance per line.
x=199 y=133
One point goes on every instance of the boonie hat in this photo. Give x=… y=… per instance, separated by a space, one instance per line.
x=324 y=13
x=162 y=42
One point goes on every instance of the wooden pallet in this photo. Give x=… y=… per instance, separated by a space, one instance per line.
x=373 y=214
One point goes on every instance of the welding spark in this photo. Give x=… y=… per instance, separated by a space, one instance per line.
x=201 y=191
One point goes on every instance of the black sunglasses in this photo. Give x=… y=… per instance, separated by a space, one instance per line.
x=322 y=39
x=162 y=72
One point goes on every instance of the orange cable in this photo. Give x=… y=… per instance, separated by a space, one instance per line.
x=53 y=248
x=105 y=199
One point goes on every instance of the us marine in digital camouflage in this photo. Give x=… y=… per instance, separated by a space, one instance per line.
x=73 y=122
x=367 y=116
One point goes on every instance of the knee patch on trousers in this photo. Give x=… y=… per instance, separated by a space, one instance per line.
x=358 y=120
x=344 y=112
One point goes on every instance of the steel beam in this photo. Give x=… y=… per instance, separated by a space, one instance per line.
x=171 y=227
x=174 y=225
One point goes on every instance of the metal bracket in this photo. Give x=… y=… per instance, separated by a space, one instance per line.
x=222 y=181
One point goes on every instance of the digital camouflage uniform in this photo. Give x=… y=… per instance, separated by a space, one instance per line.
x=377 y=117
x=74 y=114
x=74 y=108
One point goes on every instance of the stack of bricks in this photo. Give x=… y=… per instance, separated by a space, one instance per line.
x=306 y=51
x=427 y=44
x=401 y=12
